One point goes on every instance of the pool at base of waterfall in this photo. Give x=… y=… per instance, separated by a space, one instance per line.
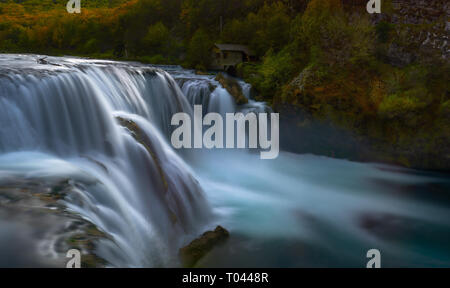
x=86 y=163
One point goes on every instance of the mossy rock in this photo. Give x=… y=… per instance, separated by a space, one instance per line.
x=233 y=87
x=201 y=246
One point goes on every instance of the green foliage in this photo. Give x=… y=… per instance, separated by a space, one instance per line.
x=156 y=59
x=157 y=39
x=91 y=46
x=199 y=50
x=266 y=30
x=273 y=72
x=401 y=106
x=384 y=30
x=330 y=37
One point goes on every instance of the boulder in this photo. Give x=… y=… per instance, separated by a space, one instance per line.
x=233 y=87
x=198 y=248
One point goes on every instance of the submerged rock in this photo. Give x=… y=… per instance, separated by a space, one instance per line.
x=233 y=87
x=198 y=248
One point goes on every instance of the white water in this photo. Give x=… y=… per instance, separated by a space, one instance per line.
x=67 y=118
x=59 y=121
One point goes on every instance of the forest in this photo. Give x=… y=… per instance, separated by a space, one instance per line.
x=329 y=59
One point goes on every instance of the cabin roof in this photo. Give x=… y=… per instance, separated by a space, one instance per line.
x=235 y=48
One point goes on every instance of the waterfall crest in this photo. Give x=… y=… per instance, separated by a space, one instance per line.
x=139 y=192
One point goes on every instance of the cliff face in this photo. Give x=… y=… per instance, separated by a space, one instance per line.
x=419 y=11
x=423 y=24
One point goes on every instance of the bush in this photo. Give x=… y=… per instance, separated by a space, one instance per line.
x=383 y=30
x=400 y=107
x=157 y=59
x=157 y=39
x=91 y=46
x=199 y=50
x=330 y=37
x=268 y=29
x=268 y=77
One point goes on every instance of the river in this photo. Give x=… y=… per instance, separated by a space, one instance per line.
x=61 y=121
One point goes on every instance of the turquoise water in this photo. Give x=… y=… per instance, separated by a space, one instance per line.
x=59 y=122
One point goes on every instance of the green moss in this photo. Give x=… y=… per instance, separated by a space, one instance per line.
x=396 y=106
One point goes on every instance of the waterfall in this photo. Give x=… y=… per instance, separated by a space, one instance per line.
x=208 y=93
x=103 y=128
x=80 y=122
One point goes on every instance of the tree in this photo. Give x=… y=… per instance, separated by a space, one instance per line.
x=157 y=39
x=199 y=50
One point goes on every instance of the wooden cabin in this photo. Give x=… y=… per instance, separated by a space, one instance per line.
x=227 y=56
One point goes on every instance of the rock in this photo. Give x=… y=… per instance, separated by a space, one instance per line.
x=139 y=136
x=233 y=87
x=211 y=87
x=39 y=209
x=198 y=248
x=201 y=73
x=42 y=61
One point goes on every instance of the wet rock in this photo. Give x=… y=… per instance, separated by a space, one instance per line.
x=42 y=61
x=233 y=87
x=139 y=136
x=202 y=73
x=212 y=87
x=38 y=208
x=198 y=248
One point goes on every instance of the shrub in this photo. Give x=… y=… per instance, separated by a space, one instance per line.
x=400 y=107
x=199 y=50
x=383 y=30
x=157 y=39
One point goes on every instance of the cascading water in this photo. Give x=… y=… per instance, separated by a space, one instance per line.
x=104 y=127
x=206 y=91
x=140 y=194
